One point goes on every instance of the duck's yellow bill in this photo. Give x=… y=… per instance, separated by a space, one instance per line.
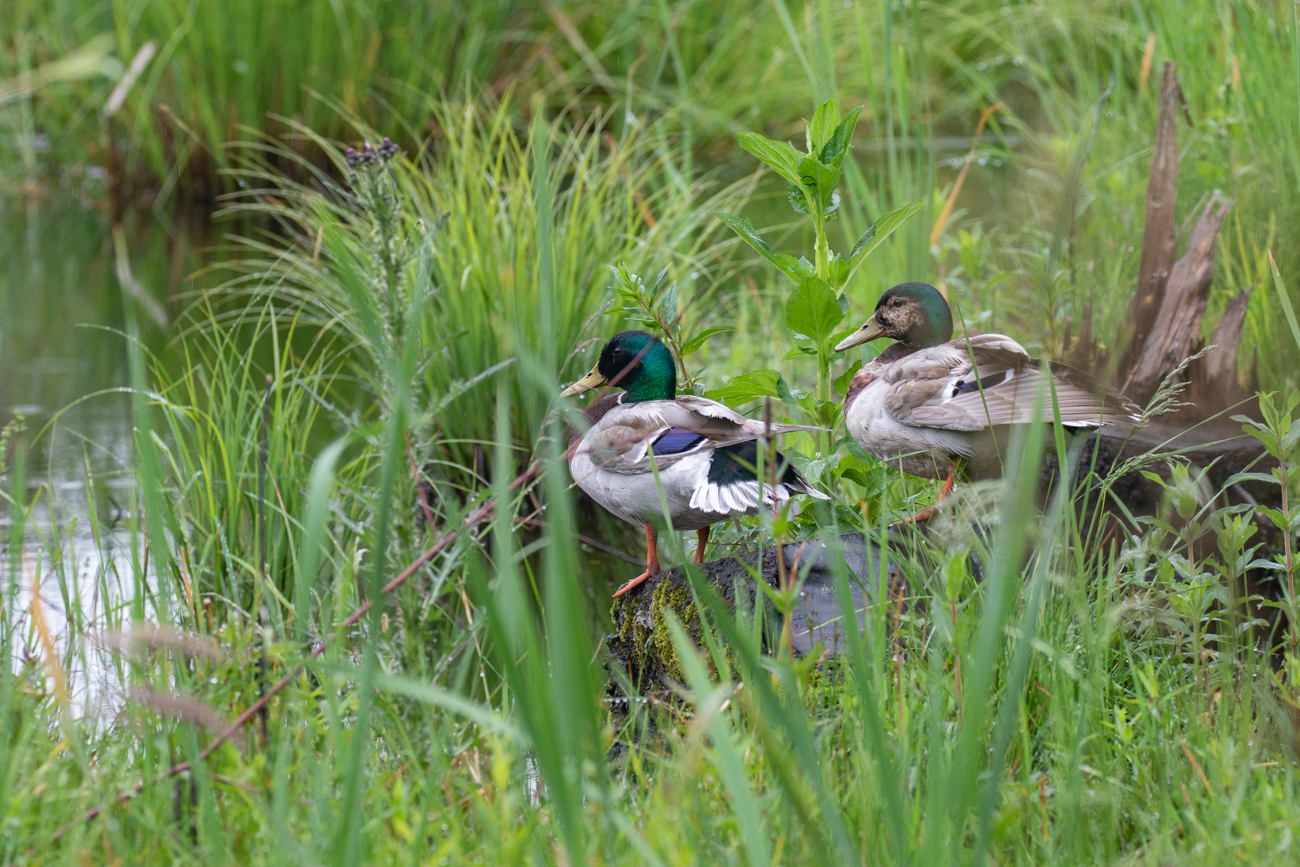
x=868 y=332
x=593 y=379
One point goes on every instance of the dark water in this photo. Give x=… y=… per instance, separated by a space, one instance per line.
x=62 y=351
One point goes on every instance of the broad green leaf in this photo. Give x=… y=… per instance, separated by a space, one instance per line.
x=794 y=268
x=830 y=207
x=1266 y=438
x=780 y=155
x=863 y=241
x=832 y=153
x=841 y=383
x=1277 y=516
x=839 y=273
x=856 y=449
x=698 y=340
x=821 y=129
x=794 y=194
x=668 y=304
x=884 y=227
x=1290 y=438
x=813 y=310
x=1250 y=477
x=786 y=393
x=820 y=182
x=799 y=202
x=746 y=387
x=868 y=475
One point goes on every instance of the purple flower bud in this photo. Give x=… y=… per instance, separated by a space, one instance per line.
x=388 y=150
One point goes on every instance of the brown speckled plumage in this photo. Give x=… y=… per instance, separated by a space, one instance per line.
x=929 y=402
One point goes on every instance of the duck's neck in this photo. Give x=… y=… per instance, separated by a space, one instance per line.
x=895 y=352
x=597 y=410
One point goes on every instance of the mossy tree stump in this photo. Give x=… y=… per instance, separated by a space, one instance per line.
x=643 y=645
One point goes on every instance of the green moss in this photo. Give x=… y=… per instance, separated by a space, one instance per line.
x=650 y=645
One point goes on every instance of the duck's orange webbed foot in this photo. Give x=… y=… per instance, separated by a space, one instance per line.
x=927 y=514
x=635 y=582
x=651 y=562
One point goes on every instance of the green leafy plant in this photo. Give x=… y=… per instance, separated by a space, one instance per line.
x=656 y=308
x=818 y=305
x=1279 y=433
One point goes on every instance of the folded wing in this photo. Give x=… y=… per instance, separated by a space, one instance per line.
x=993 y=382
x=671 y=430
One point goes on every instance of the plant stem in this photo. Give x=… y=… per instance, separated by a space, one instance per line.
x=821 y=251
x=821 y=258
x=1286 y=547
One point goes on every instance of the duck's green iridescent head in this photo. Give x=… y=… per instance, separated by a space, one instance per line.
x=914 y=314
x=635 y=361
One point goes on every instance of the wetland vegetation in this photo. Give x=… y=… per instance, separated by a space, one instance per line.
x=294 y=572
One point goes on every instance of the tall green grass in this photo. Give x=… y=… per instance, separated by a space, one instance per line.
x=1081 y=704
x=1042 y=692
x=523 y=230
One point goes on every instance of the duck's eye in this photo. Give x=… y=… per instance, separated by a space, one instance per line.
x=897 y=302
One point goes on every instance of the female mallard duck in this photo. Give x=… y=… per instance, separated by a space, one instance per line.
x=705 y=454
x=929 y=403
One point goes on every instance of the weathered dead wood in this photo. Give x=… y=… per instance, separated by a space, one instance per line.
x=1221 y=361
x=1214 y=381
x=1160 y=235
x=1179 y=321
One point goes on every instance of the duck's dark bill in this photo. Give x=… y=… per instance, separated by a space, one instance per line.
x=593 y=379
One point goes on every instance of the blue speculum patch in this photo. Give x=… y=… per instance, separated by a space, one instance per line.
x=676 y=441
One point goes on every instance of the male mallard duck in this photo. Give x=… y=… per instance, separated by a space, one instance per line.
x=706 y=454
x=929 y=403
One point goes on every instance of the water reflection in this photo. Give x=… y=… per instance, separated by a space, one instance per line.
x=61 y=357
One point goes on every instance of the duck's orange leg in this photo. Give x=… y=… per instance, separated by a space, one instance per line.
x=927 y=514
x=702 y=537
x=651 y=561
